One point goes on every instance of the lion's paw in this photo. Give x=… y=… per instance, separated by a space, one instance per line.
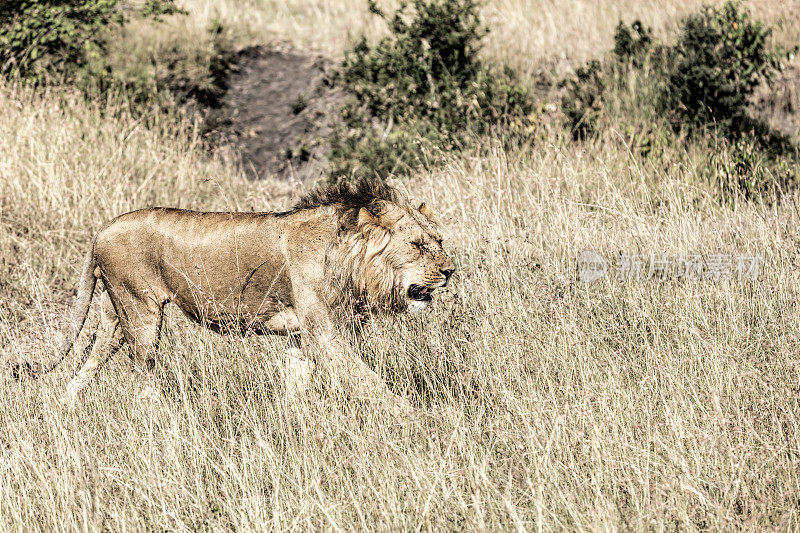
x=148 y=392
x=297 y=372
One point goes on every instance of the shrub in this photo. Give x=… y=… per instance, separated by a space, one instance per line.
x=698 y=87
x=582 y=100
x=743 y=169
x=592 y=89
x=66 y=40
x=423 y=85
x=159 y=8
x=634 y=43
x=38 y=38
x=705 y=78
x=719 y=59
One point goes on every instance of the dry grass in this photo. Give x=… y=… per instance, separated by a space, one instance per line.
x=543 y=35
x=543 y=404
x=534 y=37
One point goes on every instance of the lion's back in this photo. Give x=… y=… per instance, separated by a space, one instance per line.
x=183 y=251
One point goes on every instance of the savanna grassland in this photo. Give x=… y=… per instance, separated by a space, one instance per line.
x=542 y=403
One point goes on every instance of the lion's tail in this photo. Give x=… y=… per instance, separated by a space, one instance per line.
x=79 y=314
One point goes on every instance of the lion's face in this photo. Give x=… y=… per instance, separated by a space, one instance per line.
x=405 y=249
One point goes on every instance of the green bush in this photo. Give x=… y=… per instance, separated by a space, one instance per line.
x=696 y=90
x=705 y=79
x=719 y=59
x=65 y=41
x=587 y=94
x=41 y=38
x=634 y=43
x=582 y=99
x=159 y=8
x=423 y=86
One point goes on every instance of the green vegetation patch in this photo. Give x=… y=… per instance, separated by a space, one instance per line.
x=695 y=90
x=720 y=58
x=71 y=41
x=422 y=89
x=55 y=37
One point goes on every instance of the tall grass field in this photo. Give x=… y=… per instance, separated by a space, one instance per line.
x=542 y=403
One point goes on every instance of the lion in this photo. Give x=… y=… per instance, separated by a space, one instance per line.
x=341 y=251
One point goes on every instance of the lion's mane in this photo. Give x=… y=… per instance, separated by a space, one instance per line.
x=359 y=277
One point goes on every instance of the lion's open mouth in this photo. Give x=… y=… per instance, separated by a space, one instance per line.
x=420 y=293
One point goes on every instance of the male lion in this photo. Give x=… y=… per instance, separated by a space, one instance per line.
x=340 y=250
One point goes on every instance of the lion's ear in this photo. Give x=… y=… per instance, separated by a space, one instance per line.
x=379 y=207
x=427 y=212
x=366 y=217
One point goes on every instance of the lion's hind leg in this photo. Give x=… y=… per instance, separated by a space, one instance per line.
x=109 y=327
x=141 y=315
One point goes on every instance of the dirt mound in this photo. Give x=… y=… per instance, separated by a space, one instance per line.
x=276 y=113
x=778 y=102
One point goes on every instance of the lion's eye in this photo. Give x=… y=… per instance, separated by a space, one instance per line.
x=419 y=245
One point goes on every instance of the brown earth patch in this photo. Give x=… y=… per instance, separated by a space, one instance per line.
x=778 y=103
x=278 y=109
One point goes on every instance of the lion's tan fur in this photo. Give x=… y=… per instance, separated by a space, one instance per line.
x=302 y=271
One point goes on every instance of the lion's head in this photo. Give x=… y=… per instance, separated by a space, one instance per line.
x=389 y=253
x=403 y=258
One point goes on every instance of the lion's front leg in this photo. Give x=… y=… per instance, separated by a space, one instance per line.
x=342 y=367
x=345 y=369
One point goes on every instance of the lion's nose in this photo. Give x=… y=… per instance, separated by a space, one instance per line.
x=447 y=272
